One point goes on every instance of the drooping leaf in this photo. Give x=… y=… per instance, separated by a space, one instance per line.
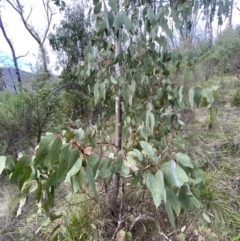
x=174 y=175
x=170 y=214
x=208 y=93
x=20 y=167
x=91 y=180
x=43 y=149
x=53 y=153
x=149 y=151
x=197 y=95
x=155 y=185
x=74 y=170
x=104 y=169
x=45 y=221
x=72 y=159
x=97 y=8
x=184 y=197
x=24 y=176
x=173 y=200
x=173 y=169
x=184 y=160
x=77 y=180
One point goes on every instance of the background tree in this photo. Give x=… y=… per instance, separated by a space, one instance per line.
x=14 y=57
x=68 y=41
x=39 y=36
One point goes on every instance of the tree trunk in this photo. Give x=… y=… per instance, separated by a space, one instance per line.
x=12 y=50
x=118 y=136
x=44 y=59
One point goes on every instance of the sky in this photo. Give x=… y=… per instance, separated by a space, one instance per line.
x=24 y=43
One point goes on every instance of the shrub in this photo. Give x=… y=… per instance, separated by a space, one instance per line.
x=236 y=98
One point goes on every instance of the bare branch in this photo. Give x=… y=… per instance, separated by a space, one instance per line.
x=12 y=50
x=22 y=56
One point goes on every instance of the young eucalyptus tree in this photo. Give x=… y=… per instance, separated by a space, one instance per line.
x=126 y=62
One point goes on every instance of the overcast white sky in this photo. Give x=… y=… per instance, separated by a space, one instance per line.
x=22 y=40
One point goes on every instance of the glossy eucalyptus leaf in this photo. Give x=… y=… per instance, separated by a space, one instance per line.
x=77 y=180
x=155 y=185
x=173 y=200
x=90 y=177
x=53 y=153
x=170 y=214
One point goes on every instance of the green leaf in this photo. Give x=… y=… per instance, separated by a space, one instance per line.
x=113 y=80
x=113 y=4
x=24 y=176
x=184 y=160
x=155 y=184
x=39 y=192
x=74 y=170
x=151 y=121
x=20 y=167
x=78 y=180
x=2 y=163
x=184 y=197
x=206 y=217
x=53 y=153
x=106 y=16
x=208 y=93
x=131 y=162
x=127 y=22
x=43 y=149
x=73 y=158
x=170 y=214
x=10 y=163
x=173 y=200
x=22 y=201
x=118 y=21
x=197 y=95
x=138 y=154
x=179 y=144
x=191 y=97
x=104 y=170
x=45 y=221
x=137 y=177
x=174 y=176
x=97 y=8
x=79 y=134
x=52 y=180
x=150 y=15
x=91 y=180
x=149 y=151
